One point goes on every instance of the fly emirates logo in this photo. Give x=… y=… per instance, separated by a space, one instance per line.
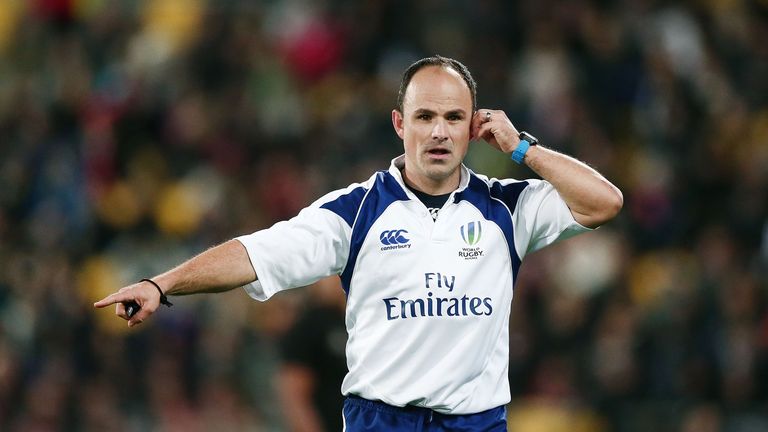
x=438 y=301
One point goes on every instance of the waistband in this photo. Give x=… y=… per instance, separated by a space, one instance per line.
x=384 y=407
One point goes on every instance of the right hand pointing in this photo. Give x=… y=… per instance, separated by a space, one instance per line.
x=142 y=293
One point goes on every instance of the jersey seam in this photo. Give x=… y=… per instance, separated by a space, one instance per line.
x=514 y=247
x=352 y=230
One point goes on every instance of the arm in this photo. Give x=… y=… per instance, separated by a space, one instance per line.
x=218 y=269
x=592 y=199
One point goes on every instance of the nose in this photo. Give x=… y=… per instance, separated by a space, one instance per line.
x=440 y=131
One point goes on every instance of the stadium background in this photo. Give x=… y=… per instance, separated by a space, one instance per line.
x=134 y=134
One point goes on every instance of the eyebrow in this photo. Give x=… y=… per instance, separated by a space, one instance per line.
x=421 y=111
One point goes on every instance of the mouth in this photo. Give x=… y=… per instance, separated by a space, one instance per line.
x=438 y=153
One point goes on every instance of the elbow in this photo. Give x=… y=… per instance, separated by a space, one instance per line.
x=612 y=204
x=603 y=210
x=615 y=203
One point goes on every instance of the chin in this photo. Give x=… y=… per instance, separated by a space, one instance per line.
x=441 y=173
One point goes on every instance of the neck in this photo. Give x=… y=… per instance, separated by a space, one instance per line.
x=431 y=186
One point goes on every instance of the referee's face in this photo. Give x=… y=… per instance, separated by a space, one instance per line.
x=435 y=128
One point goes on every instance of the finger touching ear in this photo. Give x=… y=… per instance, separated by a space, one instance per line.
x=474 y=126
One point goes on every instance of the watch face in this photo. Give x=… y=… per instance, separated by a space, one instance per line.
x=532 y=140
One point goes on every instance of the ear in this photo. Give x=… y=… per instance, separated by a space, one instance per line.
x=397 y=122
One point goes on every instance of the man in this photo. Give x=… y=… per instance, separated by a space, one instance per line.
x=313 y=361
x=428 y=253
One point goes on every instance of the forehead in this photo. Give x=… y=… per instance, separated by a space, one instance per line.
x=437 y=87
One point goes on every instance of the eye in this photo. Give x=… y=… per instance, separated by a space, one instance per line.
x=454 y=117
x=424 y=116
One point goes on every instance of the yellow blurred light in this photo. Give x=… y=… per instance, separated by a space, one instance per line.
x=176 y=22
x=119 y=207
x=179 y=209
x=552 y=416
x=10 y=14
x=96 y=279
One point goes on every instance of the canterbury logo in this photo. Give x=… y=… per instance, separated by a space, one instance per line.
x=394 y=237
x=471 y=233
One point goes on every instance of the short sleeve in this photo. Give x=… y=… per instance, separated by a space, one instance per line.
x=297 y=252
x=542 y=218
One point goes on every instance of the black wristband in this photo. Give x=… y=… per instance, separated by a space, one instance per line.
x=163 y=298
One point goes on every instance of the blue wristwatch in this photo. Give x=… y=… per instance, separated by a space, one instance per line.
x=526 y=141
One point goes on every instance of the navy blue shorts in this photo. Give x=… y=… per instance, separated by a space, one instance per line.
x=362 y=415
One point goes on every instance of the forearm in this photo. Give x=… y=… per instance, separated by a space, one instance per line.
x=218 y=269
x=593 y=200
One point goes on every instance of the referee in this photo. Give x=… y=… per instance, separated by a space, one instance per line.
x=427 y=251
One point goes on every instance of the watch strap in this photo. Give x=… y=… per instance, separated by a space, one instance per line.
x=519 y=154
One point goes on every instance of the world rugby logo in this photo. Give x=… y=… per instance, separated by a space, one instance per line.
x=471 y=233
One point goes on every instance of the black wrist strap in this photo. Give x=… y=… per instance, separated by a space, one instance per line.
x=163 y=298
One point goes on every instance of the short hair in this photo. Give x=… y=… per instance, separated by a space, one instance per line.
x=437 y=60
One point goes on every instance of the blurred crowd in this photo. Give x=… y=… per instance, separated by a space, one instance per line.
x=134 y=134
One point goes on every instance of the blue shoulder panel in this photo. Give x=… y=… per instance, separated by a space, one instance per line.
x=384 y=192
x=346 y=205
x=481 y=196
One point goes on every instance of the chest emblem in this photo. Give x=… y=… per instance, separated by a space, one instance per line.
x=471 y=233
x=394 y=239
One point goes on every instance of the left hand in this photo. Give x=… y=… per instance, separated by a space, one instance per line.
x=497 y=130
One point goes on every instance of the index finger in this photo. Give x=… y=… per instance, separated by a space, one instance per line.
x=113 y=298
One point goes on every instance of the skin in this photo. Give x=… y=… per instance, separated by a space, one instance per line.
x=435 y=117
x=436 y=126
x=435 y=129
x=221 y=268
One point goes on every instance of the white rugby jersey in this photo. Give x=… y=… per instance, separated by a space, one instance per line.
x=428 y=302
